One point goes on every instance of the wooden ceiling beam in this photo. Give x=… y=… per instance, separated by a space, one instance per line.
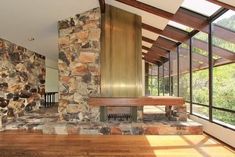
x=145 y=48
x=222 y=4
x=151 y=41
x=153 y=56
x=166 y=43
x=182 y=36
x=169 y=31
x=183 y=15
x=159 y=51
x=147 y=8
x=151 y=60
x=190 y=18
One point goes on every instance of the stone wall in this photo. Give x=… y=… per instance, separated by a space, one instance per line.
x=22 y=79
x=79 y=67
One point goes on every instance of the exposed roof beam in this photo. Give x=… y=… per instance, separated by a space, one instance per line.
x=169 y=31
x=159 y=51
x=166 y=43
x=147 y=8
x=183 y=15
x=145 y=48
x=102 y=5
x=181 y=35
x=153 y=56
x=148 y=40
x=222 y=4
x=151 y=60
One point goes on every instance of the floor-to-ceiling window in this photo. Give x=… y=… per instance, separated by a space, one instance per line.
x=184 y=77
x=224 y=69
x=200 y=75
x=152 y=80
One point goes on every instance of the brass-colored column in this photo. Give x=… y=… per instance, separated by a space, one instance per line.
x=121 y=65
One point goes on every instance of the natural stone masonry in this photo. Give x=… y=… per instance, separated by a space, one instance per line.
x=48 y=123
x=22 y=80
x=79 y=68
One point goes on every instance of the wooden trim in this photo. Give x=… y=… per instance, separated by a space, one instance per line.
x=137 y=101
x=102 y=6
x=169 y=31
x=145 y=48
x=222 y=4
x=183 y=15
x=159 y=51
x=151 y=41
x=147 y=8
x=166 y=43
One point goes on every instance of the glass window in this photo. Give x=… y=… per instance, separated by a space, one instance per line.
x=166 y=79
x=227 y=20
x=200 y=75
x=224 y=118
x=174 y=73
x=161 y=80
x=184 y=78
x=153 y=80
x=201 y=6
x=224 y=70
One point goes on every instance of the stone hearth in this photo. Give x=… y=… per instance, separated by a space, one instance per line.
x=47 y=122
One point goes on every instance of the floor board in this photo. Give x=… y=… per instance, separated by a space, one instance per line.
x=22 y=144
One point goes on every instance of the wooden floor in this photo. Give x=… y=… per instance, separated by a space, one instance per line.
x=23 y=144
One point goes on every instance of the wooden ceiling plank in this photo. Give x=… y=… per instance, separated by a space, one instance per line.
x=151 y=41
x=222 y=4
x=147 y=8
x=169 y=31
x=183 y=15
x=166 y=43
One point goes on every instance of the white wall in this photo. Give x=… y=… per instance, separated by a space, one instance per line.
x=222 y=133
x=52 y=77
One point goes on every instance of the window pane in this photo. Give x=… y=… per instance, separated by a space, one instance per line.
x=174 y=73
x=223 y=84
x=200 y=74
x=153 y=85
x=152 y=80
x=224 y=69
x=184 y=90
x=161 y=81
x=166 y=79
x=201 y=111
x=227 y=20
x=225 y=118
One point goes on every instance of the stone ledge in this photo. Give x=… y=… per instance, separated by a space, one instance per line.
x=149 y=128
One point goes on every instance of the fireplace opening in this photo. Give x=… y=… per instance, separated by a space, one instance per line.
x=119 y=114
